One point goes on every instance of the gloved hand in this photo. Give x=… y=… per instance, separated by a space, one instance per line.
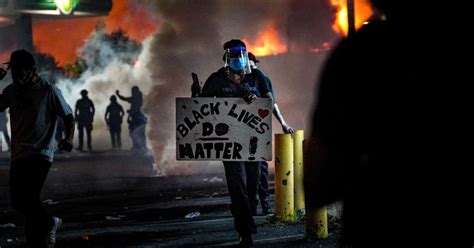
x=249 y=97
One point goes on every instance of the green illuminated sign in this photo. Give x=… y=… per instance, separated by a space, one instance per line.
x=63 y=7
x=66 y=6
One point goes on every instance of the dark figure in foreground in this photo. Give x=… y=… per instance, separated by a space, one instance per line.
x=4 y=130
x=381 y=129
x=263 y=193
x=84 y=113
x=136 y=119
x=35 y=106
x=113 y=117
x=242 y=177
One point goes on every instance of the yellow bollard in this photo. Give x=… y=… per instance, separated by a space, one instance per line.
x=284 y=178
x=316 y=224
x=298 y=169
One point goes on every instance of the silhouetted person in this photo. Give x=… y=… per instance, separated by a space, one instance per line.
x=35 y=106
x=84 y=113
x=381 y=127
x=4 y=130
x=136 y=119
x=265 y=83
x=113 y=117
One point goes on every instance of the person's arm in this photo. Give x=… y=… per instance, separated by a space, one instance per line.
x=69 y=128
x=76 y=111
x=276 y=112
x=93 y=109
x=5 y=99
x=264 y=86
x=106 y=115
x=127 y=99
x=122 y=113
x=62 y=109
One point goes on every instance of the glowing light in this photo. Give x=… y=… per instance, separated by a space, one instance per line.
x=363 y=11
x=268 y=42
x=66 y=6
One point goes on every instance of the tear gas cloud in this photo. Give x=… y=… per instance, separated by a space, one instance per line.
x=188 y=38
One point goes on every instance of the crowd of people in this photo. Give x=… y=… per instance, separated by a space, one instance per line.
x=84 y=116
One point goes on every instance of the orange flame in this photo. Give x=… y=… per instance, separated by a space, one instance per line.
x=62 y=38
x=268 y=42
x=363 y=11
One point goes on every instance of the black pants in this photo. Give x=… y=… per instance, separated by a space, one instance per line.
x=242 y=182
x=263 y=184
x=115 y=135
x=27 y=177
x=80 y=128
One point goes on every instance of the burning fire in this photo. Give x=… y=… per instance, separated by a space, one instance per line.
x=363 y=11
x=268 y=42
x=62 y=38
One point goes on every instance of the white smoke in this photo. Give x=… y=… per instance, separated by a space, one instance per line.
x=107 y=71
x=190 y=40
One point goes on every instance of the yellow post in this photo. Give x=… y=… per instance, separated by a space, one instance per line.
x=284 y=179
x=316 y=220
x=316 y=224
x=298 y=168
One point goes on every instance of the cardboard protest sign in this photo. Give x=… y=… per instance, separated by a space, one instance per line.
x=223 y=129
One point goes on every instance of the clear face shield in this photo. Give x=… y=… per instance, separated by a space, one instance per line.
x=237 y=59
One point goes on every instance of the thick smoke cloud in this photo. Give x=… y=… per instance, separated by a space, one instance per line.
x=190 y=40
x=108 y=70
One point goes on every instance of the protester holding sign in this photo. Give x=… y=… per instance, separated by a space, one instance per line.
x=231 y=81
x=223 y=129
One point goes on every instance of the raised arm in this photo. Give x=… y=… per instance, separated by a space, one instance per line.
x=93 y=109
x=123 y=98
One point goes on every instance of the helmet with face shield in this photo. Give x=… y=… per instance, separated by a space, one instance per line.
x=236 y=57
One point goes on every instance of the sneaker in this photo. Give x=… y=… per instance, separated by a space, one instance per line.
x=245 y=240
x=51 y=235
x=266 y=209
